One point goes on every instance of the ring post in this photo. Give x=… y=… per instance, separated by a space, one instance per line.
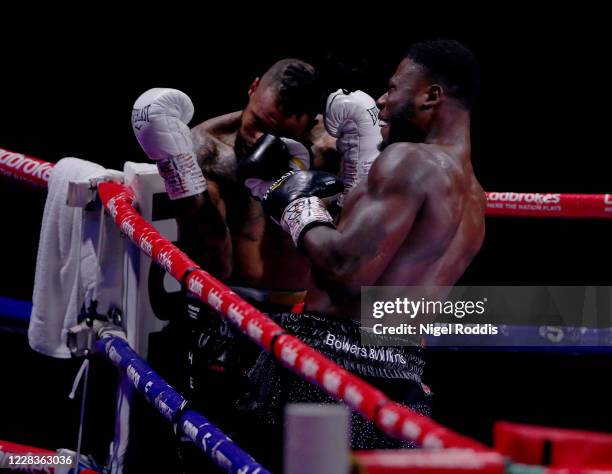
x=316 y=439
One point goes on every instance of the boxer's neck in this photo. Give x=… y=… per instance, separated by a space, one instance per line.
x=450 y=126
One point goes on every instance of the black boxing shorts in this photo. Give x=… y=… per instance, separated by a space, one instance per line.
x=219 y=356
x=244 y=390
x=396 y=371
x=219 y=361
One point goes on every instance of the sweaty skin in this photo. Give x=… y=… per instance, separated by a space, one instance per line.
x=228 y=232
x=418 y=218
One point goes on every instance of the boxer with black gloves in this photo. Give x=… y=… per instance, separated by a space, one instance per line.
x=417 y=216
x=295 y=201
x=414 y=216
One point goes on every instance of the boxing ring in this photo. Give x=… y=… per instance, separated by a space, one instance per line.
x=394 y=419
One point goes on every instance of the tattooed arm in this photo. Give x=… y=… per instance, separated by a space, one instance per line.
x=202 y=228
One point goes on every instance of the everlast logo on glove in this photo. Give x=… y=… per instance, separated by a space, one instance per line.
x=140 y=115
x=373 y=111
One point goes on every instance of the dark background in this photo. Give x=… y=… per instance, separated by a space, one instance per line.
x=69 y=91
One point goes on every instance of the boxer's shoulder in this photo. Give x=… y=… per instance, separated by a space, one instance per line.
x=218 y=130
x=414 y=164
x=213 y=142
x=221 y=126
x=400 y=164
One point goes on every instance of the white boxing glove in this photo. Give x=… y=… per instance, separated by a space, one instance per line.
x=159 y=119
x=352 y=118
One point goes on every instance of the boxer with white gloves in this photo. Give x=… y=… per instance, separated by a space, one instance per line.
x=224 y=228
x=352 y=118
x=159 y=120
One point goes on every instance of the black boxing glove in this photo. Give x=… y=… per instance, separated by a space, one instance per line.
x=271 y=157
x=295 y=201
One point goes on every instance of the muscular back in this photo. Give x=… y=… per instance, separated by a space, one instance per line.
x=418 y=219
x=448 y=230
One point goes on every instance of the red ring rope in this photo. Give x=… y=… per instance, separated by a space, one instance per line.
x=509 y=204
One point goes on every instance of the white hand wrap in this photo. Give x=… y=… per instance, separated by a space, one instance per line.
x=301 y=214
x=159 y=120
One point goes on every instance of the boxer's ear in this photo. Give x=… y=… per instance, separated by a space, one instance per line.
x=254 y=86
x=433 y=96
